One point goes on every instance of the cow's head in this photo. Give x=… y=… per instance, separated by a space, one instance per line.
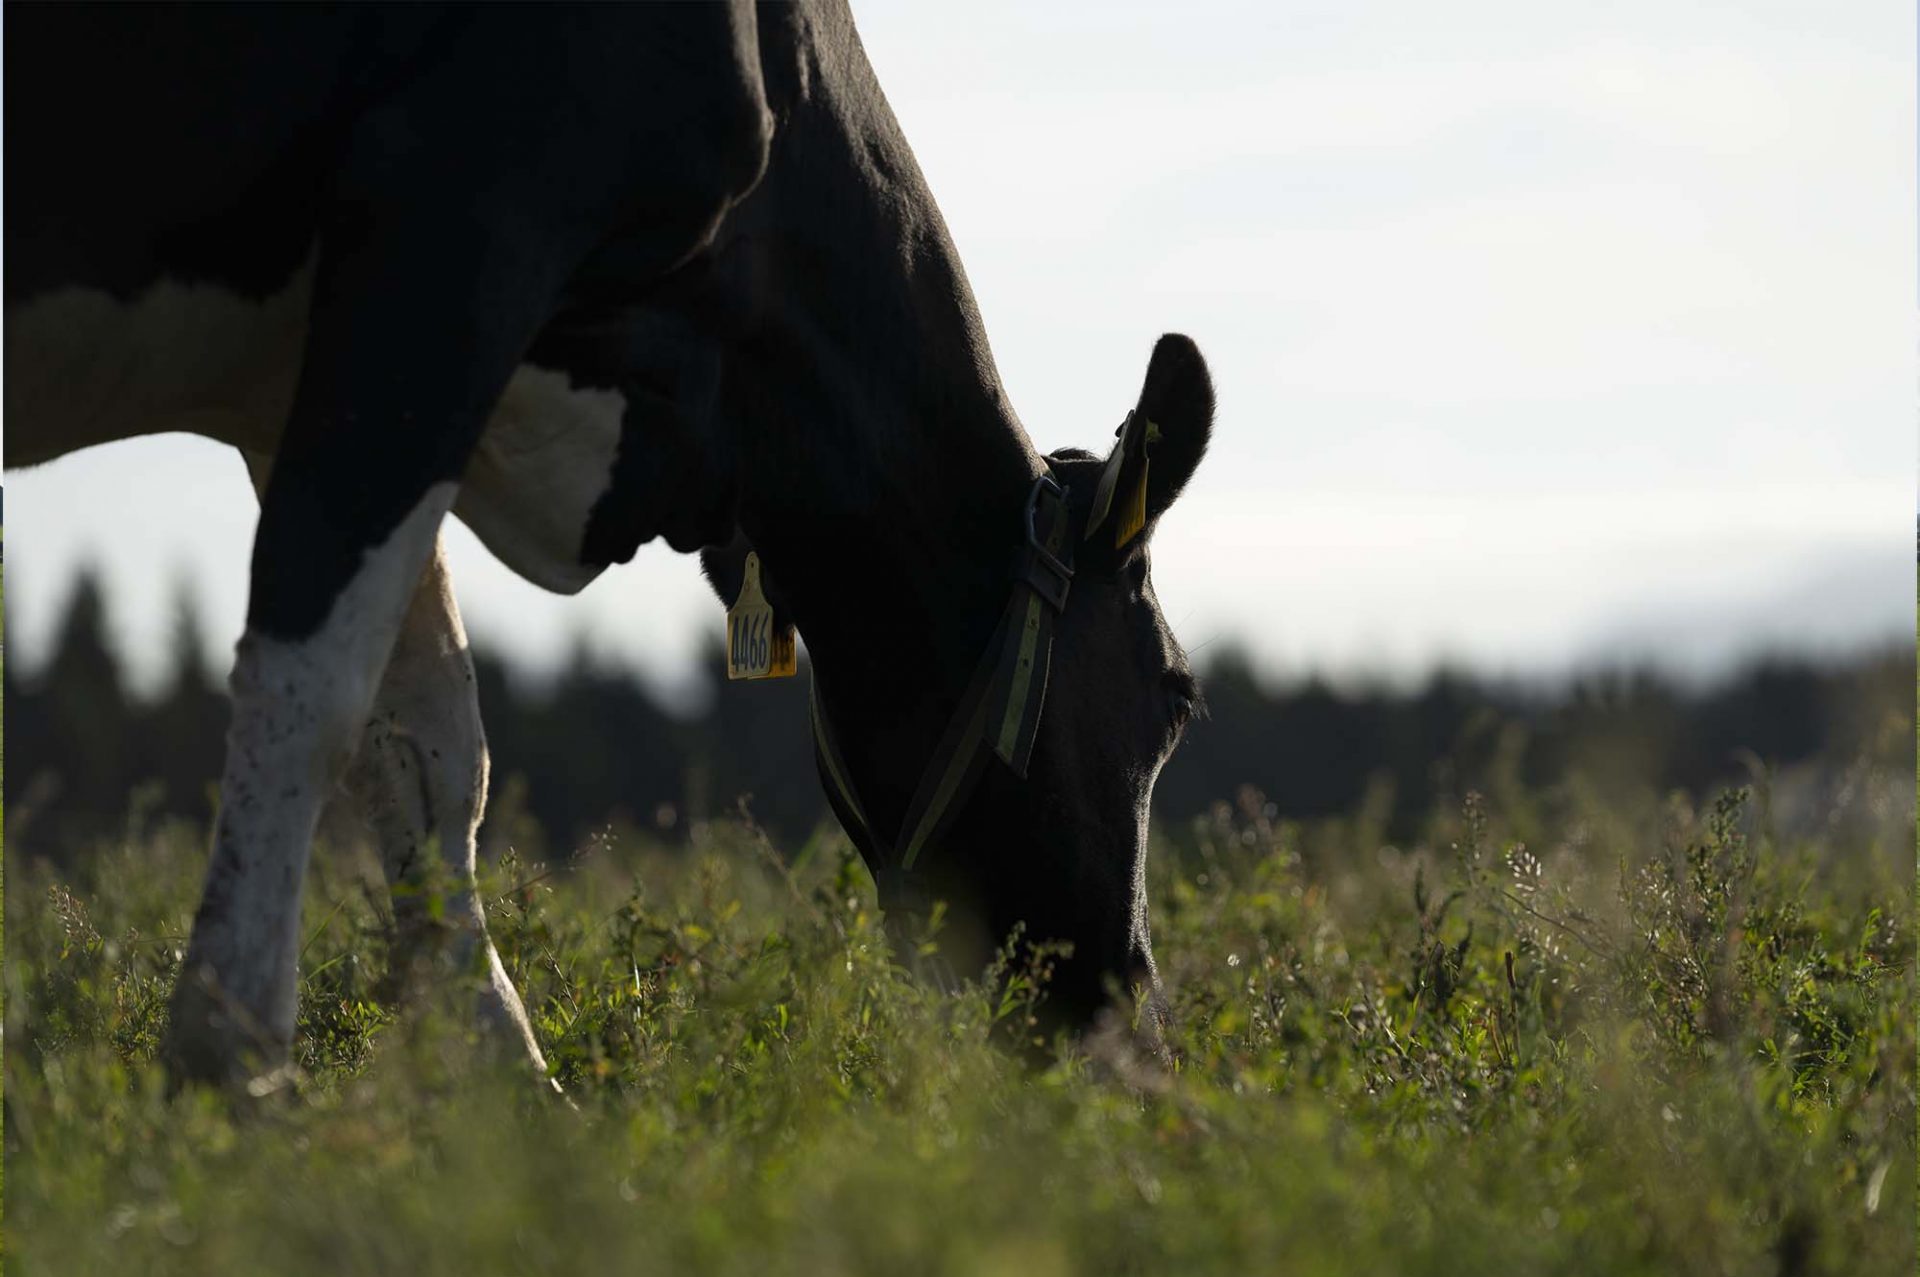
x=1064 y=851
x=1059 y=854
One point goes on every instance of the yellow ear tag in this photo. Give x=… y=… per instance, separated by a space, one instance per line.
x=756 y=647
x=1133 y=515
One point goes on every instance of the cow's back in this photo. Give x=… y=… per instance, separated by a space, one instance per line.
x=184 y=140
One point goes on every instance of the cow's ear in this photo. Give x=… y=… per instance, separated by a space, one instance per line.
x=1177 y=397
x=1159 y=445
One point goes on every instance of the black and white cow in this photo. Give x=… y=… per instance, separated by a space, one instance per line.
x=584 y=277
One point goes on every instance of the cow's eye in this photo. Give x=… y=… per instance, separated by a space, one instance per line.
x=1183 y=697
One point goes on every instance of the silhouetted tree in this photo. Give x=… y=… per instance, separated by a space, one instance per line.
x=71 y=731
x=594 y=746
x=186 y=728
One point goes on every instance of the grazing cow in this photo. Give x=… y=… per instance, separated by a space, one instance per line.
x=584 y=277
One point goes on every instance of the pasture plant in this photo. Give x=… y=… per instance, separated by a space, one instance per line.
x=1658 y=1041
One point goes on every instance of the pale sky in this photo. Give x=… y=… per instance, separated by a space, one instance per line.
x=1544 y=335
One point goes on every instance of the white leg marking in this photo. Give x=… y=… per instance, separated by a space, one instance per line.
x=420 y=777
x=298 y=709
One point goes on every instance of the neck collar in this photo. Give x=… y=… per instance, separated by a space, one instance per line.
x=999 y=712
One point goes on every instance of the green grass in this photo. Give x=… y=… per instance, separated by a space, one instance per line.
x=1652 y=1040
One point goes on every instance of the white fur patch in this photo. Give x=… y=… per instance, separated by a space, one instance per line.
x=546 y=457
x=84 y=368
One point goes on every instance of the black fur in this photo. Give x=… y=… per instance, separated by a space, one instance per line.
x=710 y=208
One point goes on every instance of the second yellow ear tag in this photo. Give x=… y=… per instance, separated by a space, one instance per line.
x=1133 y=512
x=756 y=646
x=1133 y=515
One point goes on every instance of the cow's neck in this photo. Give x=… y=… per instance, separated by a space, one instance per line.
x=883 y=471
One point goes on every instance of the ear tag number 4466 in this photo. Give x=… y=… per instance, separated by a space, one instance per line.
x=756 y=646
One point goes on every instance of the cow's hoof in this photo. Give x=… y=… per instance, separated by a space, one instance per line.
x=210 y=1042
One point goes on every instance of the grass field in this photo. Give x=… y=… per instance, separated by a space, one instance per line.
x=1555 y=1036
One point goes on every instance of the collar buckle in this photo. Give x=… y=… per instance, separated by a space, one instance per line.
x=1038 y=566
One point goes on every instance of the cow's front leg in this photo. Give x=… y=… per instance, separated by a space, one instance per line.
x=420 y=779
x=417 y=322
x=299 y=704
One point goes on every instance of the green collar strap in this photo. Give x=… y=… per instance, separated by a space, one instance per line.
x=999 y=712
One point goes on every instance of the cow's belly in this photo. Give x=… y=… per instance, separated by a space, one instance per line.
x=84 y=367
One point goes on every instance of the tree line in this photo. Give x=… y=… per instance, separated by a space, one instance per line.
x=592 y=747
